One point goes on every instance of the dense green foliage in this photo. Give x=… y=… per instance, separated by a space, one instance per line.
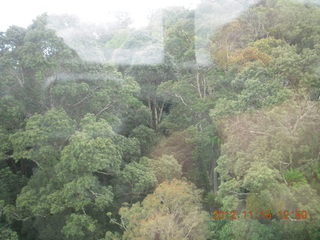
x=91 y=151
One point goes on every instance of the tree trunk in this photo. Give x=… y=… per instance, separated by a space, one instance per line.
x=215 y=174
x=198 y=82
x=215 y=179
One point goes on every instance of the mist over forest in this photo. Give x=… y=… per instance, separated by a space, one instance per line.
x=204 y=124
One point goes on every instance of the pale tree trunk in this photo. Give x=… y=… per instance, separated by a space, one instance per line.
x=215 y=178
x=204 y=84
x=160 y=112
x=156 y=111
x=198 y=82
x=215 y=173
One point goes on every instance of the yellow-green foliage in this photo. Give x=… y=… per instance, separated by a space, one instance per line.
x=173 y=211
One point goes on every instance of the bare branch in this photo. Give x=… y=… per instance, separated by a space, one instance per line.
x=261 y=133
x=107 y=107
x=104 y=173
x=179 y=96
x=83 y=99
x=302 y=116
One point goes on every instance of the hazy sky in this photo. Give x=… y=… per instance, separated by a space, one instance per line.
x=22 y=12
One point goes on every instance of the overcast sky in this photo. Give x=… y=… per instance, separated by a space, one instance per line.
x=22 y=12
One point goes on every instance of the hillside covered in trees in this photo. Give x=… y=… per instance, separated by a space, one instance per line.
x=196 y=130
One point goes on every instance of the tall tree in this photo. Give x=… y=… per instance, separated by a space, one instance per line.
x=173 y=211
